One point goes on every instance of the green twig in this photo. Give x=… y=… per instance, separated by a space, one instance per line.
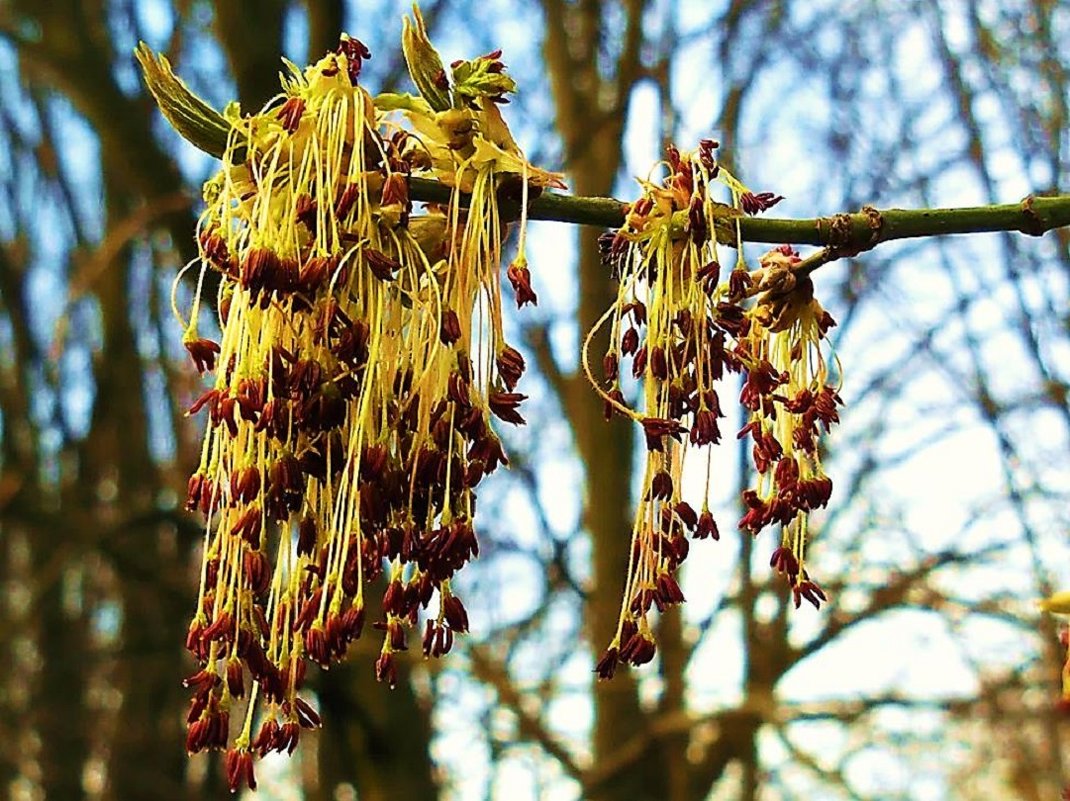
x=841 y=234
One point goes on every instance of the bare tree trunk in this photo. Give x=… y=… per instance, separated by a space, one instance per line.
x=146 y=756
x=592 y=131
x=325 y=20
x=59 y=696
x=56 y=694
x=379 y=739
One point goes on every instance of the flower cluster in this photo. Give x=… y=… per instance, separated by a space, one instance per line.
x=361 y=362
x=683 y=325
x=1058 y=603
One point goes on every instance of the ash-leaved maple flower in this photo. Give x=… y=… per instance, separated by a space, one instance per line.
x=362 y=358
x=685 y=322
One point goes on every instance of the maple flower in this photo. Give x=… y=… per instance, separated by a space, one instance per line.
x=684 y=329
x=361 y=361
x=1058 y=603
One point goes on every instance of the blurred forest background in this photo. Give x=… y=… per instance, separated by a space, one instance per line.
x=927 y=676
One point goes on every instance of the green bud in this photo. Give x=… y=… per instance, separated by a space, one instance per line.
x=425 y=66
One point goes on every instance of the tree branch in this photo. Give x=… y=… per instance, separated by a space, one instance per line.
x=531 y=727
x=843 y=234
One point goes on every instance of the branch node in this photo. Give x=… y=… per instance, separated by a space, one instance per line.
x=1032 y=224
x=876 y=224
x=840 y=229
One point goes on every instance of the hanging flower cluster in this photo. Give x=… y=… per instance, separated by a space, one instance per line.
x=682 y=328
x=361 y=362
x=1058 y=603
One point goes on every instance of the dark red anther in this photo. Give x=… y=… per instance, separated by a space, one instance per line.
x=235 y=680
x=510 y=366
x=809 y=591
x=249 y=526
x=195 y=642
x=250 y=396
x=709 y=272
x=202 y=682
x=825 y=404
x=307 y=533
x=203 y=352
x=706 y=155
x=316 y=645
x=607 y=663
x=638 y=650
x=784 y=562
x=396 y=192
x=257 y=572
x=825 y=322
x=696 y=227
x=392 y=598
x=289 y=114
x=386 y=669
x=814 y=492
x=668 y=589
x=222 y=628
x=688 y=516
x=449 y=330
x=352 y=623
x=286 y=474
x=608 y=407
x=443 y=642
x=288 y=737
x=256 y=266
x=489 y=452
x=504 y=405
x=638 y=310
x=642 y=600
x=194 y=489
x=457 y=390
x=642 y=207
x=197 y=736
x=238 y=766
x=739 y=284
x=245 y=484
x=707 y=526
x=755 y=203
x=610 y=367
x=430 y=637
x=455 y=613
x=672 y=154
x=679 y=548
x=344 y=199
x=355 y=52
x=218 y=729
x=639 y=362
x=705 y=430
x=214 y=248
x=309 y=610
x=210 y=399
x=787 y=473
x=266 y=739
x=305 y=212
x=661 y=485
x=756 y=516
x=656 y=428
x=382 y=266
x=520 y=277
x=659 y=365
x=196 y=707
